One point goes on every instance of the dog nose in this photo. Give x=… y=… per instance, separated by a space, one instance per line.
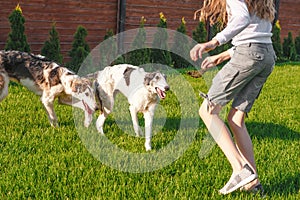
x=167 y=88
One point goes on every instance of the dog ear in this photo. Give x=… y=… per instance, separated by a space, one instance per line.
x=74 y=85
x=148 y=78
x=165 y=76
x=54 y=76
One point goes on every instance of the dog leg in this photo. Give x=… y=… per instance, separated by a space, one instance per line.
x=67 y=100
x=106 y=107
x=137 y=129
x=148 y=116
x=4 y=80
x=47 y=101
x=100 y=122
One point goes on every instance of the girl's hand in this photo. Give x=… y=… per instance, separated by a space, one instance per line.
x=213 y=61
x=209 y=62
x=197 y=51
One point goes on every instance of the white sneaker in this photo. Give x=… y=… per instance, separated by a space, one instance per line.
x=245 y=176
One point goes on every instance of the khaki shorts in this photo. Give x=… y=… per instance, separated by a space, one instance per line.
x=243 y=77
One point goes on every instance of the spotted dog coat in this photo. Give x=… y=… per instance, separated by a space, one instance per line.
x=143 y=91
x=48 y=80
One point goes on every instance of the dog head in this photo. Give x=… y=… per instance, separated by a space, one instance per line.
x=84 y=95
x=156 y=82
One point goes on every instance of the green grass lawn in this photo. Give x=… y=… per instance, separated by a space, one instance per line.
x=40 y=162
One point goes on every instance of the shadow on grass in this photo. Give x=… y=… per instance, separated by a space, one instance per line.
x=290 y=185
x=272 y=131
x=164 y=132
x=172 y=124
x=285 y=181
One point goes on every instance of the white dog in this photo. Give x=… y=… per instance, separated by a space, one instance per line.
x=48 y=80
x=143 y=91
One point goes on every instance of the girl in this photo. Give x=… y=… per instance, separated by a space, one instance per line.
x=248 y=23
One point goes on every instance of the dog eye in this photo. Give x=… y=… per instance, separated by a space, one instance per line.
x=87 y=94
x=157 y=77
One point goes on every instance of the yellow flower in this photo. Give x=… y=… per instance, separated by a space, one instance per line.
x=143 y=19
x=278 y=25
x=183 y=21
x=18 y=8
x=162 y=17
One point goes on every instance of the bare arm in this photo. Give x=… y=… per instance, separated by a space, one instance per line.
x=212 y=61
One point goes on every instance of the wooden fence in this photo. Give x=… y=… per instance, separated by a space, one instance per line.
x=98 y=16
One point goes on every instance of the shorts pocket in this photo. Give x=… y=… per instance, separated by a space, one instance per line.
x=247 y=58
x=256 y=55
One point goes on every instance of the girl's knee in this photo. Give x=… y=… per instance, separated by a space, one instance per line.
x=235 y=117
x=230 y=116
x=209 y=109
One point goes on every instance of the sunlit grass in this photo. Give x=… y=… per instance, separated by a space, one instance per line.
x=41 y=162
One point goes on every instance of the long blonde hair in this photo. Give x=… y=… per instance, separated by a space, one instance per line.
x=214 y=11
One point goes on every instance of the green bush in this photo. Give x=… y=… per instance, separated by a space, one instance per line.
x=17 y=39
x=80 y=49
x=289 y=49
x=108 y=51
x=277 y=41
x=297 y=46
x=160 y=53
x=200 y=33
x=51 y=48
x=181 y=47
x=139 y=53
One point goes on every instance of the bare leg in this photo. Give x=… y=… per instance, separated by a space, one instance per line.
x=242 y=172
x=236 y=120
x=221 y=135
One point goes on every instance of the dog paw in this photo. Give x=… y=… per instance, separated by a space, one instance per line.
x=138 y=132
x=100 y=130
x=148 y=147
x=54 y=124
x=88 y=121
x=86 y=124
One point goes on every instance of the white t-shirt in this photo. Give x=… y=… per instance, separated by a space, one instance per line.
x=242 y=27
